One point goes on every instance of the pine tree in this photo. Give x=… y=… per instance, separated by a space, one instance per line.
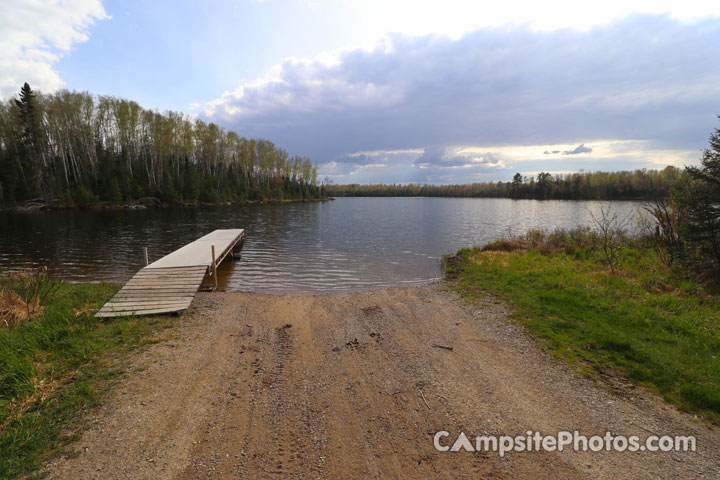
x=698 y=200
x=516 y=185
x=32 y=145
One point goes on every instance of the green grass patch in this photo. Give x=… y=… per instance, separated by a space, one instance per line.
x=656 y=329
x=58 y=366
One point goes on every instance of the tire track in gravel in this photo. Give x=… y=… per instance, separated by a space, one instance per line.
x=354 y=386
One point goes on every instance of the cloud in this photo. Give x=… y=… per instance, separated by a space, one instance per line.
x=361 y=159
x=445 y=157
x=578 y=150
x=35 y=34
x=440 y=165
x=649 y=78
x=431 y=165
x=456 y=17
x=574 y=151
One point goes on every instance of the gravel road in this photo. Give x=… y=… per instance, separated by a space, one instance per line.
x=355 y=386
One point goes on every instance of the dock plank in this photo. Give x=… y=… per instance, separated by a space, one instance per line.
x=146 y=306
x=139 y=308
x=110 y=314
x=135 y=293
x=199 y=251
x=169 y=285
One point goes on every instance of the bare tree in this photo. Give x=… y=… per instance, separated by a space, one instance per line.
x=611 y=230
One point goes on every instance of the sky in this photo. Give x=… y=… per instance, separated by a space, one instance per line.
x=398 y=91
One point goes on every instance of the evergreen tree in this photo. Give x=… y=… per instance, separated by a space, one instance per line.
x=698 y=201
x=544 y=181
x=516 y=185
x=31 y=141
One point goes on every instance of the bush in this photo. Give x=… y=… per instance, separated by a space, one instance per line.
x=209 y=193
x=23 y=295
x=84 y=198
x=607 y=238
x=505 y=245
x=67 y=198
x=115 y=193
x=663 y=233
x=611 y=233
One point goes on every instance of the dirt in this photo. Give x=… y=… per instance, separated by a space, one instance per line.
x=355 y=386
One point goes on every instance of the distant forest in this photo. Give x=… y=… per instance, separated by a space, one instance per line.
x=640 y=184
x=73 y=148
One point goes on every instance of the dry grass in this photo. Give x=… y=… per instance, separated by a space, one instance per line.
x=506 y=245
x=16 y=311
x=572 y=242
x=23 y=294
x=491 y=255
x=42 y=389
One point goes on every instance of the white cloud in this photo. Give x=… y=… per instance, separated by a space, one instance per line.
x=643 y=78
x=495 y=162
x=35 y=34
x=376 y=153
x=300 y=85
x=456 y=17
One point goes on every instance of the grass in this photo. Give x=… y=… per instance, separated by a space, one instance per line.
x=58 y=366
x=646 y=322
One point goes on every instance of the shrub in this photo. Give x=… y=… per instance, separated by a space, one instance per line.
x=506 y=245
x=611 y=232
x=84 y=197
x=24 y=294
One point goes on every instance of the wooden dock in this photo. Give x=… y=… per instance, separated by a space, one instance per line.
x=169 y=285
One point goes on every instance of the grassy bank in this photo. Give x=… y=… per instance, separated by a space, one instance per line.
x=57 y=366
x=645 y=322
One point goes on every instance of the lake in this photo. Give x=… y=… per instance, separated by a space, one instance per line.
x=342 y=245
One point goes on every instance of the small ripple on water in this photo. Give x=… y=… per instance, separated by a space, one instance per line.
x=346 y=245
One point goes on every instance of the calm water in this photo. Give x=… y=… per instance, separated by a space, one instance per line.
x=346 y=244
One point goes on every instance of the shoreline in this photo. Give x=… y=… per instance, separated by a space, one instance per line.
x=626 y=199
x=537 y=317
x=105 y=206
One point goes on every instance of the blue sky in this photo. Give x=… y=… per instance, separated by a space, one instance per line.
x=172 y=55
x=398 y=91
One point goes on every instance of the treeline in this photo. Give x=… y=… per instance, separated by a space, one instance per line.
x=638 y=184
x=73 y=148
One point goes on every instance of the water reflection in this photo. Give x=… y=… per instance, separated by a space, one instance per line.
x=344 y=245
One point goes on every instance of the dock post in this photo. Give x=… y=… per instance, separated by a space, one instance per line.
x=214 y=267
x=147 y=262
